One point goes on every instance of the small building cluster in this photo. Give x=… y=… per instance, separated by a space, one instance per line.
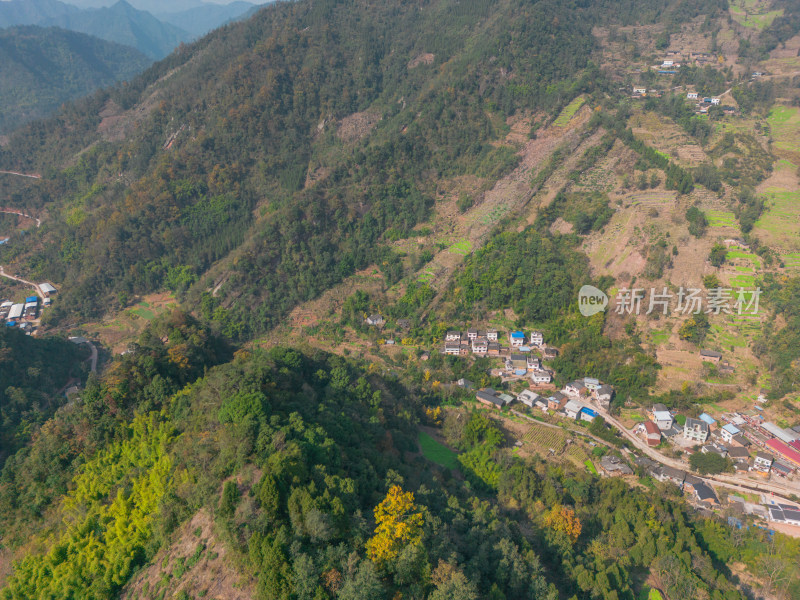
x=572 y=402
x=743 y=439
x=24 y=315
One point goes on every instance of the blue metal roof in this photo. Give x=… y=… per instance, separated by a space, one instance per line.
x=589 y=411
x=517 y=334
x=32 y=299
x=731 y=429
x=520 y=371
x=708 y=419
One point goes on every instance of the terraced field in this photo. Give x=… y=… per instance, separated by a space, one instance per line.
x=721 y=218
x=566 y=115
x=742 y=255
x=653 y=198
x=781 y=219
x=545 y=439
x=784 y=122
x=791 y=261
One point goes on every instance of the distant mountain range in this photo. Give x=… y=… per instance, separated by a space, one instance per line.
x=122 y=23
x=199 y=20
x=44 y=67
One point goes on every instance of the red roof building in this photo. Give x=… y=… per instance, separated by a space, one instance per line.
x=653 y=433
x=785 y=451
x=795 y=444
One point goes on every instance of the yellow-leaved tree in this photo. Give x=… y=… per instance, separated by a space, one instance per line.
x=398 y=523
x=563 y=519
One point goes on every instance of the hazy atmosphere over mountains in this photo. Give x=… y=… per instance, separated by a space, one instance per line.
x=436 y=300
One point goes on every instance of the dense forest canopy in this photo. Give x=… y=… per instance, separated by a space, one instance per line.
x=232 y=176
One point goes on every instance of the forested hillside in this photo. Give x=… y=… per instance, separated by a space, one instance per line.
x=236 y=176
x=308 y=465
x=45 y=67
x=223 y=225
x=33 y=375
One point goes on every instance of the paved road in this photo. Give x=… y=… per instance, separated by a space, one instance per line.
x=83 y=340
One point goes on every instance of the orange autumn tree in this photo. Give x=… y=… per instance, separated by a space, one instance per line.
x=562 y=519
x=398 y=523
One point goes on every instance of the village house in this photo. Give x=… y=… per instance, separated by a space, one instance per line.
x=480 y=345
x=728 y=431
x=528 y=397
x=516 y=339
x=639 y=91
x=705 y=494
x=588 y=414
x=489 y=397
x=491 y=335
x=613 y=466
x=453 y=336
x=695 y=429
x=550 y=352
x=493 y=349
x=591 y=383
x=714 y=448
x=404 y=323
x=47 y=289
x=781 y=468
x=375 y=320
x=762 y=462
x=452 y=348
x=691 y=96
x=516 y=362
x=472 y=334
x=573 y=408
x=15 y=312
x=740 y=440
x=652 y=433
x=603 y=395
x=539 y=376
x=663 y=419
x=557 y=401
x=715 y=101
x=785 y=513
x=537 y=339
x=574 y=389
x=465 y=383
x=710 y=356
x=738 y=454
x=666 y=473
x=534 y=364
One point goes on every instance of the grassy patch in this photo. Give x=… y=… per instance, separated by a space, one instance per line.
x=463 y=248
x=590 y=465
x=659 y=337
x=437 y=452
x=734 y=254
x=569 y=112
x=721 y=218
x=784 y=123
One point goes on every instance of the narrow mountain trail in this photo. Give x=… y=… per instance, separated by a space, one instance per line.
x=18 y=174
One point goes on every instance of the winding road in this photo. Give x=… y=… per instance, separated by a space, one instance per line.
x=743 y=483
